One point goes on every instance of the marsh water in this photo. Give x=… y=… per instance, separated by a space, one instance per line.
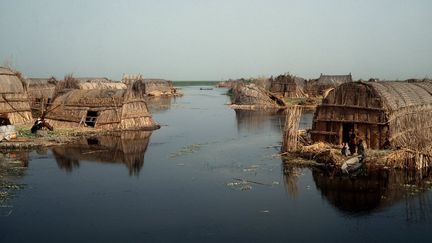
x=210 y=174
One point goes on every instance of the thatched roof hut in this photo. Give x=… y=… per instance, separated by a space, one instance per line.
x=254 y=96
x=14 y=104
x=130 y=78
x=318 y=87
x=39 y=88
x=397 y=114
x=111 y=109
x=288 y=85
x=125 y=148
x=154 y=87
x=40 y=91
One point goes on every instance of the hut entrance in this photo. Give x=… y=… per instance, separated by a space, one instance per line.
x=4 y=120
x=345 y=132
x=91 y=118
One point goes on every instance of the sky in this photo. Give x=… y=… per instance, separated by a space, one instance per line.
x=217 y=40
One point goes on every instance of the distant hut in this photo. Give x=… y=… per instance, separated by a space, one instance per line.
x=40 y=92
x=318 y=87
x=155 y=87
x=130 y=78
x=288 y=85
x=71 y=83
x=110 y=109
x=382 y=113
x=14 y=103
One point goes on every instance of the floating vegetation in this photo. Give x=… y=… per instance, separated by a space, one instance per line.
x=189 y=149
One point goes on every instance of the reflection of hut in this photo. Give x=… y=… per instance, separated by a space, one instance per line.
x=378 y=189
x=288 y=86
x=14 y=104
x=100 y=108
x=127 y=148
x=318 y=87
x=158 y=104
x=252 y=120
x=382 y=113
x=40 y=92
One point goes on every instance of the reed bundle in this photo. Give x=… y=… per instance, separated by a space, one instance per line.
x=290 y=137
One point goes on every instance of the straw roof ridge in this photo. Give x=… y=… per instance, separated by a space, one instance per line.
x=334 y=79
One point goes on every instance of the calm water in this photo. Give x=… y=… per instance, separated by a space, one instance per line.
x=182 y=183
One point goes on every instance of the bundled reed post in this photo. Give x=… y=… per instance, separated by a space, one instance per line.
x=290 y=135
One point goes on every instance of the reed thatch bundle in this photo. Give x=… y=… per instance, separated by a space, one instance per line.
x=291 y=129
x=14 y=102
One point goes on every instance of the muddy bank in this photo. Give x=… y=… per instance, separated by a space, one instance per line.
x=26 y=140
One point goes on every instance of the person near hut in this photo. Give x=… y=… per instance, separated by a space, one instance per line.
x=352 y=142
x=39 y=124
x=361 y=149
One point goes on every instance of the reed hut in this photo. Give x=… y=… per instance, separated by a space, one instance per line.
x=40 y=92
x=288 y=85
x=126 y=148
x=71 y=83
x=110 y=109
x=155 y=87
x=254 y=96
x=383 y=114
x=320 y=86
x=14 y=103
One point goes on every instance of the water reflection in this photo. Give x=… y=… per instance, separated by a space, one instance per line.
x=126 y=147
x=252 y=120
x=159 y=104
x=375 y=190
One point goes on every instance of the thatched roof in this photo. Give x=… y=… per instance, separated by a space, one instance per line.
x=398 y=94
x=153 y=87
x=334 y=79
x=129 y=78
x=10 y=81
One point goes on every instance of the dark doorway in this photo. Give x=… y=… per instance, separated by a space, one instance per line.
x=345 y=133
x=92 y=141
x=91 y=118
x=4 y=120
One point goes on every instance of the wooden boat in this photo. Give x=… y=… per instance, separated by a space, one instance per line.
x=352 y=164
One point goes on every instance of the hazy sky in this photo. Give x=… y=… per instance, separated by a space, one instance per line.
x=220 y=39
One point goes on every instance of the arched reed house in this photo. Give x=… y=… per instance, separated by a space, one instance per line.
x=288 y=86
x=382 y=113
x=14 y=103
x=318 y=87
x=40 y=92
x=110 y=109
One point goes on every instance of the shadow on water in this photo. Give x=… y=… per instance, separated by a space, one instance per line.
x=371 y=191
x=127 y=148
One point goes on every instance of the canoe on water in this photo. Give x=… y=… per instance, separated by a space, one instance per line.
x=352 y=164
